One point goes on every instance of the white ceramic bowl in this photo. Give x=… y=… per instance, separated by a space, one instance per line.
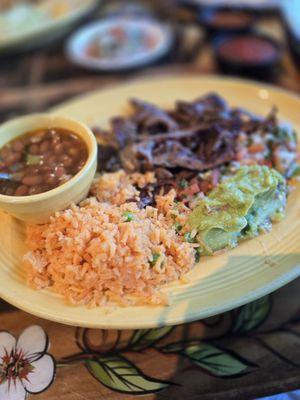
x=38 y=208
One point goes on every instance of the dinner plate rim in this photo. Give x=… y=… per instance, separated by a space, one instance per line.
x=86 y=323
x=84 y=320
x=192 y=75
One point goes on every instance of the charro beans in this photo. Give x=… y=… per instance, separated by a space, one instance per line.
x=41 y=160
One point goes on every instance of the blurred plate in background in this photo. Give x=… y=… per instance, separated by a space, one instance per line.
x=24 y=26
x=119 y=43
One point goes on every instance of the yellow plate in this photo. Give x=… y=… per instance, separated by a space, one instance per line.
x=217 y=284
x=46 y=32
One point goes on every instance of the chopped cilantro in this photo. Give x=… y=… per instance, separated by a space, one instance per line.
x=295 y=137
x=177 y=227
x=296 y=171
x=188 y=237
x=155 y=257
x=284 y=135
x=128 y=215
x=183 y=184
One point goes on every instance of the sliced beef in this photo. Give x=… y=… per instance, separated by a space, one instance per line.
x=152 y=119
x=124 y=131
x=195 y=149
x=207 y=108
x=146 y=196
x=196 y=136
x=108 y=159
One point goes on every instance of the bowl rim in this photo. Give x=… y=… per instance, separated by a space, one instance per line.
x=206 y=15
x=91 y=144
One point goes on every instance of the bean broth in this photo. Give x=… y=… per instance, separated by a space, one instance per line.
x=41 y=160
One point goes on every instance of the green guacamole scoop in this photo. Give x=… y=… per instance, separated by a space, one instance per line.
x=240 y=207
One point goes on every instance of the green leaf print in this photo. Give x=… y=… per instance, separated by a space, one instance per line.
x=119 y=374
x=144 y=338
x=218 y=362
x=250 y=316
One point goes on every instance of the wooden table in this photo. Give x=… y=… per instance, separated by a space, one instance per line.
x=243 y=354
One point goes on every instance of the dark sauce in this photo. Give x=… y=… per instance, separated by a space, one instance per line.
x=248 y=50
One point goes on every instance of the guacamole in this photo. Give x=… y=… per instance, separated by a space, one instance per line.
x=240 y=207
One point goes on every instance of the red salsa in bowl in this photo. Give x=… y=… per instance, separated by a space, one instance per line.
x=40 y=160
x=248 y=49
x=251 y=55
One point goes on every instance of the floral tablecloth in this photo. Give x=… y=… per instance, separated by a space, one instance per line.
x=246 y=353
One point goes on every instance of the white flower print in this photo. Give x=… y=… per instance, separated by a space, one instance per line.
x=25 y=365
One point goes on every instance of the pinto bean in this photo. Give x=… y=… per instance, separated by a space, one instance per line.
x=32 y=180
x=22 y=190
x=45 y=169
x=34 y=149
x=66 y=160
x=50 y=179
x=58 y=148
x=18 y=146
x=73 y=151
x=59 y=171
x=12 y=158
x=44 y=147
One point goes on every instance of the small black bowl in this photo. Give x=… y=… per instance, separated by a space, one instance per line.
x=251 y=54
x=294 y=46
x=224 y=20
x=260 y=9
